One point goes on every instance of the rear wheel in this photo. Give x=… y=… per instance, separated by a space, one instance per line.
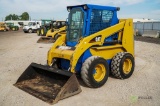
x=95 y=71
x=122 y=65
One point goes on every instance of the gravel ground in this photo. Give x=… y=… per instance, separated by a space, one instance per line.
x=18 y=50
x=147 y=39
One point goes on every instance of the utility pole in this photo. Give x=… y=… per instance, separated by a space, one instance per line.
x=30 y=18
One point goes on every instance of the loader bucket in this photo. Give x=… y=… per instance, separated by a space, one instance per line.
x=48 y=84
x=45 y=40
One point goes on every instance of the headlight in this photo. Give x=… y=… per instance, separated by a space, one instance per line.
x=85 y=7
x=68 y=9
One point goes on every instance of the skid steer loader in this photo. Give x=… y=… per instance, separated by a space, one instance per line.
x=97 y=43
x=52 y=34
x=3 y=27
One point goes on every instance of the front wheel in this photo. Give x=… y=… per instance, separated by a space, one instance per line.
x=38 y=32
x=95 y=71
x=30 y=30
x=43 y=31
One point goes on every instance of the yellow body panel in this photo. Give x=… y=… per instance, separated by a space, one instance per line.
x=56 y=31
x=125 y=33
x=2 y=29
x=65 y=54
x=107 y=52
x=59 y=41
x=3 y=26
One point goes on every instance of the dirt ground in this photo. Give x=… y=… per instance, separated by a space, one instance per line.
x=18 y=50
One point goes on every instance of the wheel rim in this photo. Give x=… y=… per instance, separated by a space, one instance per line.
x=127 y=65
x=99 y=72
x=30 y=31
x=42 y=31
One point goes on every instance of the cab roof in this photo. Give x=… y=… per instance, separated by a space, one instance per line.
x=91 y=6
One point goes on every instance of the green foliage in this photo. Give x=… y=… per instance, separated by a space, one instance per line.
x=11 y=17
x=24 y=16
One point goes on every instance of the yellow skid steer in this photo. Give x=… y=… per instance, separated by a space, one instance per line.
x=56 y=27
x=3 y=27
x=96 y=44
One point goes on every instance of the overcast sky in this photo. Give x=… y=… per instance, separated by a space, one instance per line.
x=56 y=9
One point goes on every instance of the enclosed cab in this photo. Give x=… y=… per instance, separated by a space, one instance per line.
x=85 y=20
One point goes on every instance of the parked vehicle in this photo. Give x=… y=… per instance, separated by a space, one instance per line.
x=32 y=27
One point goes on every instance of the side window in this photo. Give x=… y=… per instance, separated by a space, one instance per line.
x=58 y=23
x=100 y=19
x=63 y=23
x=34 y=24
x=107 y=15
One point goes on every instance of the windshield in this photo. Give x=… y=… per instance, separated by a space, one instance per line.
x=44 y=22
x=9 y=24
x=59 y=24
x=56 y=25
x=30 y=23
x=75 y=27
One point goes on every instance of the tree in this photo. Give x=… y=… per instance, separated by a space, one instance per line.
x=15 y=17
x=8 y=17
x=25 y=16
x=11 y=17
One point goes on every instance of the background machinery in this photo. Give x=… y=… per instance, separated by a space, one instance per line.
x=12 y=26
x=44 y=27
x=3 y=27
x=52 y=34
x=97 y=43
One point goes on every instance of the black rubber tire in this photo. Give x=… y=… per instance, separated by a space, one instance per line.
x=17 y=28
x=30 y=31
x=13 y=28
x=117 y=65
x=44 y=30
x=87 y=71
x=56 y=37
